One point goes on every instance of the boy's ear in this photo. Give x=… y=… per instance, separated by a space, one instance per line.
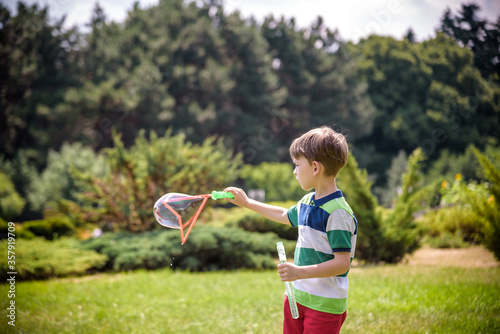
x=317 y=167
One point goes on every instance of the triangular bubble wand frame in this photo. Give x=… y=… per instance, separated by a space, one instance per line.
x=172 y=208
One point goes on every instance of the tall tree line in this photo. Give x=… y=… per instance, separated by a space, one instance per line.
x=202 y=72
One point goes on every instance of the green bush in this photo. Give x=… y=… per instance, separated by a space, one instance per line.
x=41 y=259
x=208 y=248
x=57 y=181
x=153 y=166
x=446 y=240
x=385 y=235
x=478 y=203
x=354 y=183
x=450 y=227
x=11 y=203
x=489 y=208
x=254 y=222
x=50 y=228
x=275 y=178
x=401 y=235
x=19 y=231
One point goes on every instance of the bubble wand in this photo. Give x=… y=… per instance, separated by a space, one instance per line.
x=289 y=291
x=171 y=209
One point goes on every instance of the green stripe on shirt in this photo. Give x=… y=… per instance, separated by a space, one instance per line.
x=308 y=256
x=322 y=304
x=340 y=239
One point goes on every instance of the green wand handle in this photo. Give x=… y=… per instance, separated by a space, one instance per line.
x=221 y=194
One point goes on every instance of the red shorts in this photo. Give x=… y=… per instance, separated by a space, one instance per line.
x=311 y=321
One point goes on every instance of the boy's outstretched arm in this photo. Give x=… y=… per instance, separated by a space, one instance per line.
x=272 y=212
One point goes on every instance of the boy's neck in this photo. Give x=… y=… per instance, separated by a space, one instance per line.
x=325 y=187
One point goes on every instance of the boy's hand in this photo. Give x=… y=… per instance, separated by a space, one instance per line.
x=240 y=197
x=288 y=272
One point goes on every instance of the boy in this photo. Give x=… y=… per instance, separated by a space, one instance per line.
x=327 y=233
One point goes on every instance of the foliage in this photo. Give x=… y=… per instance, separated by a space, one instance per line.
x=471 y=208
x=449 y=227
x=481 y=37
x=21 y=171
x=489 y=209
x=50 y=228
x=36 y=68
x=202 y=71
x=388 y=194
x=449 y=164
x=206 y=73
x=276 y=179
x=208 y=248
x=41 y=259
x=384 y=234
x=428 y=95
x=478 y=201
x=57 y=182
x=150 y=168
x=353 y=181
x=19 y=232
x=254 y=222
x=11 y=204
x=317 y=70
x=401 y=236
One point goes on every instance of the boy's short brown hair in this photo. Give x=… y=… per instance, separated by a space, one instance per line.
x=324 y=145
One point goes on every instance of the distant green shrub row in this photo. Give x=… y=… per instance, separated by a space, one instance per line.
x=207 y=248
x=41 y=259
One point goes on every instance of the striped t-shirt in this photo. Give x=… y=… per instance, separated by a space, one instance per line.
x=326 y=226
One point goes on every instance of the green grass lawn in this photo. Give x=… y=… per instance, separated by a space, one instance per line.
x=382 y=299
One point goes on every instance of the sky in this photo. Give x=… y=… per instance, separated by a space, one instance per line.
x=354 y=19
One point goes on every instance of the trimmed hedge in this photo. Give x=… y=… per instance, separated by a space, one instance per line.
x=41 y=259
x=208 y=248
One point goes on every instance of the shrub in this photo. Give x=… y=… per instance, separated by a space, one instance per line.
x=479 y=201
x=208 y=248
x=276 y=179
x=384 y=234
x=450 y=227
x=152 y=167
x=57 y=182
x=446 y=240
x=19 y=231
x=401 y=235
x=354 y=183
x=11 y=203
x=489 y=208
x=41 y=259
x=254 y=222
x=50 y=228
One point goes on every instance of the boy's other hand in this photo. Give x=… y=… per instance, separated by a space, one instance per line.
x=240 y=197
x=288 y=272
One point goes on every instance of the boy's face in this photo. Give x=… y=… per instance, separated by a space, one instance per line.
x=303 y=172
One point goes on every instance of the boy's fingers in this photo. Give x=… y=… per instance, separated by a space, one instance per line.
x=230 y=190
